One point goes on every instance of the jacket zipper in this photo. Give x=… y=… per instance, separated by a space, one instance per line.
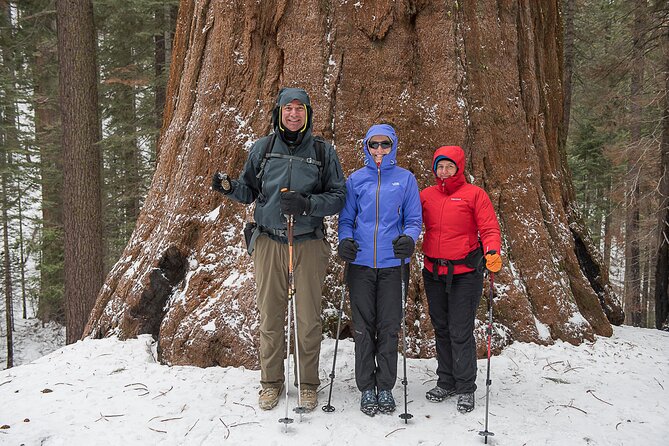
x=376 y=226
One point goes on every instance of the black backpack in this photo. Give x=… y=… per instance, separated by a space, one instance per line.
x=319 y=148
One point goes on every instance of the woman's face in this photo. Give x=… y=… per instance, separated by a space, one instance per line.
x=379 y=146
x=446 y=169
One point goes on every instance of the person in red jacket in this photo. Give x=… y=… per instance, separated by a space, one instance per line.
x=460 y=225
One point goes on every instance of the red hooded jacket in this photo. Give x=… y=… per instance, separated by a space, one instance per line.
x=456 y=214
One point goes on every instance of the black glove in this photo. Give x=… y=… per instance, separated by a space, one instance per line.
x=220 y=182
x=294 y=203
x=348 y=250
x=403 y=246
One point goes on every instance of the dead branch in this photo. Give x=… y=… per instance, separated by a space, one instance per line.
x=157 y=430
x=104 y=417
x=227 y=429
x=242 y=424
x=592 y=392
x=658 y=382
x=550 y=365
x=568 y=406
x=191 y=428
x=246 y=405
x=163 y=393
x=392 y=432
x=171 y=419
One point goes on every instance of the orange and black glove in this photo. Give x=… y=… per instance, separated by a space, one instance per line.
x=493 y=261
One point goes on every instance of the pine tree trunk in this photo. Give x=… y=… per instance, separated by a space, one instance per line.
x=662 y=256
x=485 y=75
x=568 y=7
x=159 y=53
x=632 y=254
x=81 y=162
x=44 y=60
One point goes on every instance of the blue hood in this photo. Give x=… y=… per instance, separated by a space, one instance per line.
x=385 y=130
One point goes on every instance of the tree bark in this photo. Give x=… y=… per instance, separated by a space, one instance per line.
x=569 y=51
x=47 y=137
x=81 y=162
x=662 y=256
x=485 y=75
x=633 y=191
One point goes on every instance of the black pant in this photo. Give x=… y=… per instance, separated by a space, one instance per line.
x=452 y=317
x=376 y=307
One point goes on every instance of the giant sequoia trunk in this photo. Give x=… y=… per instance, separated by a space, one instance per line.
x=485 y=75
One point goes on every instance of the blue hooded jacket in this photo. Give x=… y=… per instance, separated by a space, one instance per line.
x=382 y=202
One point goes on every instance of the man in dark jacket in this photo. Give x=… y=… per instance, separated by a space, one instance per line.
x=289 y=173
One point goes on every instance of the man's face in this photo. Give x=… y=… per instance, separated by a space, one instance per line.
x=294 y=115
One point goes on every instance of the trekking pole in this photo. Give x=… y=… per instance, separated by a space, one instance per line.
x=486 y=433
x=406 y=415
x=329 y=407
x=286 y=420
x=291 y=309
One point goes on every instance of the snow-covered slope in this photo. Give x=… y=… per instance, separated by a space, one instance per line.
x=108 y=392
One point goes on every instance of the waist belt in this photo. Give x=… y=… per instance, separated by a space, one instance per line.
x=473 y=260
x=436 y=263
x=283 y=233
x=276 y=232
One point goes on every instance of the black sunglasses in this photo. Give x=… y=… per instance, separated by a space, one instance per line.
x=376 y=144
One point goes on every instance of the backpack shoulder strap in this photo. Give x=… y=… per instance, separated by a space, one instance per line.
x=319 y=147
x=265 y=155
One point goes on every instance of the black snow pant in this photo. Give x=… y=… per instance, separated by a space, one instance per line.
x=376 y=307
x=452 y=316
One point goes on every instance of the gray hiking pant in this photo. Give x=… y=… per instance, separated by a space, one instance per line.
x=310 y=260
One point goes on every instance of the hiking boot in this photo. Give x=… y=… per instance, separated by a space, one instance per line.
x=386 y=401
x=438 y=394
x=309 y=399
x=269 y=397
x=368 y=404
x=465 y=402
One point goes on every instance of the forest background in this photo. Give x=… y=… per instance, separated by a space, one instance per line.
x=616 y=56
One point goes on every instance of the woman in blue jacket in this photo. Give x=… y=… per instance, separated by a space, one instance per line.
x=378 y=226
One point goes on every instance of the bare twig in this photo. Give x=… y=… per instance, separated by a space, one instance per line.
x=245 y=405
x=6 y=382
x=592 y=392
x=191 y=428
x=242 y=424
x=140 y=387
x=392 y=432
x=171 y=419
x=227 y=429
x=550 y=365
x=557 y=380
x=104 y=417
x=568 y=406
x=658 y=382
x=157 y=430
x=162 y=393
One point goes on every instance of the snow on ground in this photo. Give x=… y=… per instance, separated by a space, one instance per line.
x=31 y=340
x=108 y=392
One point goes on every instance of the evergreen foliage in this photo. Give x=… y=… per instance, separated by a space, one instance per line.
x=128 y=80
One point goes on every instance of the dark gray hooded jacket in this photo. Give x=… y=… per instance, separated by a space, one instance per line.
x=294 y=171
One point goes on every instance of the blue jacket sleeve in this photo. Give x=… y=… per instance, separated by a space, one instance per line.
x=348 y=213
x=412 y=210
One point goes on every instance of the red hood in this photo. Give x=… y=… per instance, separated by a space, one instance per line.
x=457 y=155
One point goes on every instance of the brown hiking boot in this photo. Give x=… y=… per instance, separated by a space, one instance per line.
x=309 y=399
x=269 y=397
